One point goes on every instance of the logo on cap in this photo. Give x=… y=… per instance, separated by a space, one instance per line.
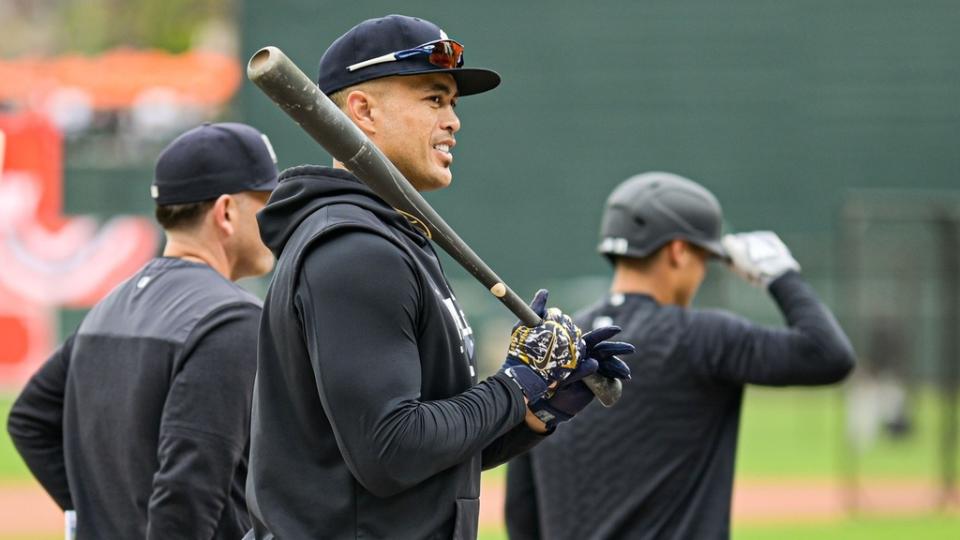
x=266 y=142
x=614 y=245
x=154 y=192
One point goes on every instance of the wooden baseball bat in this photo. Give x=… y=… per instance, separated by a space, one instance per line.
x=287 y=86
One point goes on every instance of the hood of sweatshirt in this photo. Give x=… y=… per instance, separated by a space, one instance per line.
x=305 y=189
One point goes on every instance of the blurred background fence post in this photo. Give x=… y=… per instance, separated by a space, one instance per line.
x=900 y=272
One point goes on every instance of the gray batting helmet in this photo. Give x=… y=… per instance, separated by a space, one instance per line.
x=648 y=210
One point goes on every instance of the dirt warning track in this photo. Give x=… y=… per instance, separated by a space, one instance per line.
x=25 y=509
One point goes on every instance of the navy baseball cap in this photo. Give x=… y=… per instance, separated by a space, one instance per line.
x=212 y=160
x=375 y=38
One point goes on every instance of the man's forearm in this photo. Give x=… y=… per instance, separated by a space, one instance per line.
x=510 y=445
x=518 y=440
x=830 y=355
x=409 y=445
x=47 y=466
x=35 y=425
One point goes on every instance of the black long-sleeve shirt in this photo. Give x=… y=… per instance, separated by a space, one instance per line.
x=660 y=463
x=140 y=420
x=369 y=420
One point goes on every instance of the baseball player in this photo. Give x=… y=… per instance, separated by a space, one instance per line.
x=660 y=464
x=368 y=418
x=140 y=420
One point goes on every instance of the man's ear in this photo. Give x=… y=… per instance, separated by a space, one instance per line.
x=225 y=214
x=359 y=108
x=677 y=251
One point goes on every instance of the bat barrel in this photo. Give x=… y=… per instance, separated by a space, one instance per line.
x=300 y=97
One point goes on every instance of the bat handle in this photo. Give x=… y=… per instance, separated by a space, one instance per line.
x=607 y=390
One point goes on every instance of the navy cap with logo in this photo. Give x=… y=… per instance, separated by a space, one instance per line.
x=212 y=160
x=387 y=46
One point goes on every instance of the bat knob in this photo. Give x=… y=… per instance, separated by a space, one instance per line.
x=263 y=61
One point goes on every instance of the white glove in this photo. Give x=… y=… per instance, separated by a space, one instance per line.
x=759 y=257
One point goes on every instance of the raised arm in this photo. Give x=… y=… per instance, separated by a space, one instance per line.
x=812 y=350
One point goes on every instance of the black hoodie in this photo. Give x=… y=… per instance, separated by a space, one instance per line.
x=368 y=420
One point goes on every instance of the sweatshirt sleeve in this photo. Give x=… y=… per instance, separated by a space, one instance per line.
x=812 y=350
x=35 y=425
x=358 y=298
x=205 y=427
x=512 y=443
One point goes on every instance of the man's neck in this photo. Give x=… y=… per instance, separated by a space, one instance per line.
x=190 y=249
x=653 y=282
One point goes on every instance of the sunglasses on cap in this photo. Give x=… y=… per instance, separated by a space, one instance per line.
x=444 y=53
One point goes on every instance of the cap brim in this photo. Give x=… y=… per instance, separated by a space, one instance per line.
x=469 y=80
x=269 y=185
x=715 y=248
x=474 y=80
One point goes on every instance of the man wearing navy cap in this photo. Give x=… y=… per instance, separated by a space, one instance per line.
x=139 y=422
x=369 y=420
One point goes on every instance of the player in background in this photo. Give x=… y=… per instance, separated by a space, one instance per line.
x=140 y=421
x=369 y=419
x=660 y=464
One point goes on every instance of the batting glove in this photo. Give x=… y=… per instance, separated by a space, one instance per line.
x=542 y=355
x=605 y=352
x=759 y=257
x=573 y=395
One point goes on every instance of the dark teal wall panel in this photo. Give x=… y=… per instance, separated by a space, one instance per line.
x=779 y=107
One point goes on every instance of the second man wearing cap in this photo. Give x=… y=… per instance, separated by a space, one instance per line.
x=139 y=422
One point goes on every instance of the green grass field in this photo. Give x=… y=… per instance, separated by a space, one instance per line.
x=12 y=469
x=914 y=528
x=788 y=434
x=799 y=433
x=794 y=434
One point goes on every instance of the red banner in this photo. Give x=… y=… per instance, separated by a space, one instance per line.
x=49 y=260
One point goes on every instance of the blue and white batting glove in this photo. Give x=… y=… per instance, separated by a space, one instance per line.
x=542 y=356
x=572 y=396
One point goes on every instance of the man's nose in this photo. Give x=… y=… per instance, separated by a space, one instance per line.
x=450 y=121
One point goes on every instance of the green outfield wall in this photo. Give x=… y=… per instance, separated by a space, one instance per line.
x=778 y=107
